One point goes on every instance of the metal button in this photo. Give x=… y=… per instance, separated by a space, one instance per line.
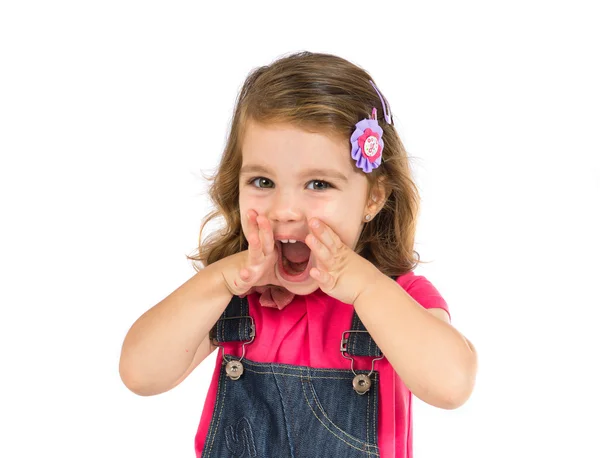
x=234 y=370
x=361 y=383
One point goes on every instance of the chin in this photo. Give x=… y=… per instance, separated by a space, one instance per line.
x=301 y=289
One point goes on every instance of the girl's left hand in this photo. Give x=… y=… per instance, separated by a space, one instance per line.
x=340 y=272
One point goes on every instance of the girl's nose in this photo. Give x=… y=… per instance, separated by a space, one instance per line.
x=285 y=207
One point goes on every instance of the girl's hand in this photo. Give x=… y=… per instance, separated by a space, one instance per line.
x=340 y=272
x=256 y=266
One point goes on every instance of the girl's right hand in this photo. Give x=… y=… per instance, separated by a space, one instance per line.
x=256 y=265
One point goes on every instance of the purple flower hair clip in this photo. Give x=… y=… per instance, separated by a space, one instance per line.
x=367 y=141
x=367 y=144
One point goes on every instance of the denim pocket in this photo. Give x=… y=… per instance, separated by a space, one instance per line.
x=342 y=413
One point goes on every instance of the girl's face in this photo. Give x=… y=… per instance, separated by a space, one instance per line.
x=290 y=176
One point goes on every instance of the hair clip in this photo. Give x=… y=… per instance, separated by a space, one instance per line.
x=387 y=114
x=367 y=144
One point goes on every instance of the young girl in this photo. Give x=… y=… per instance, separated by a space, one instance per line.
x=308 y=290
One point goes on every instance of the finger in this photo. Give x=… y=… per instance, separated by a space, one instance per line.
x=324 y=279
x=266 y=235
x=322 y=254
x=244 y=279
x=241 y=279
x=245 y=275
x=325 y=234
x=254 y=244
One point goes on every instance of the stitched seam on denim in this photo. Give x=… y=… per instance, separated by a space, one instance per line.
x=212 y=421
x=244 y=312
x=348 y=375
x=298 y=375
x=219 y=332
x=320 y=421
x=220 y=413
x=240 y=320
x=332 y=432
x=297 y=368
x=322 y=409
x=374 y=412
x=367 y=428
x=299 y=430
x=293 y=367
x=216 y=427
x=287 y=430
x=300 y=368
x=248 y=442
x=227 y=430
x=354 y=334
x=251 y=443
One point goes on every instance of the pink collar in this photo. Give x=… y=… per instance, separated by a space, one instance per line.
x=272 y=296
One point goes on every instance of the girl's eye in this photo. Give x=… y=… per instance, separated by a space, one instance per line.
x=265 y=183
x=262 y=181
x=320 y=185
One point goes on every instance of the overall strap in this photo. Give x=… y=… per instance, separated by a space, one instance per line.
x=360 y=343
x=235 y=324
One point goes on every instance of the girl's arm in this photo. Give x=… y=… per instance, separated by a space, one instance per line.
x=168 y=341
x=435 y=361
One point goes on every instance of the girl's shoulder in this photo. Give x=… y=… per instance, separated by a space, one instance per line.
x=410 y=280
x=407 y=279
x=422 y=290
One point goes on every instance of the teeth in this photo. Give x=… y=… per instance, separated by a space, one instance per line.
x=287 y=241
x=284 y=241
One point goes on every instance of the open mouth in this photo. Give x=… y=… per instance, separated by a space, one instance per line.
x=293 y=268
x=294 y=259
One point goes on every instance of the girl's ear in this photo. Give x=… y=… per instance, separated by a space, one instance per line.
x=377 y=197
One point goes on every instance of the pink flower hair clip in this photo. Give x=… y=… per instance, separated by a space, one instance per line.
x=367 y=141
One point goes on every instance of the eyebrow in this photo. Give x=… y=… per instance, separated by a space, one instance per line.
x=330 y=173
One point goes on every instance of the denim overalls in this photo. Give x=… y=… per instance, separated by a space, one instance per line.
x=271 y=410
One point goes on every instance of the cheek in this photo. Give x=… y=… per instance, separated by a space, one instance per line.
x=245 y=201
x=344 y=217
x=329 y=210
x=251 y=201
x=244 y=222
x=339 y=210
x=244 y=207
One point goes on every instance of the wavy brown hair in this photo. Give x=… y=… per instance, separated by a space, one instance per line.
x=326 y=94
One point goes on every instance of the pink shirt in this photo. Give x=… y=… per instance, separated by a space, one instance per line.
x=282 y=336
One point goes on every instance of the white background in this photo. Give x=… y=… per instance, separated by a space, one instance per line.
x=110 y=111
